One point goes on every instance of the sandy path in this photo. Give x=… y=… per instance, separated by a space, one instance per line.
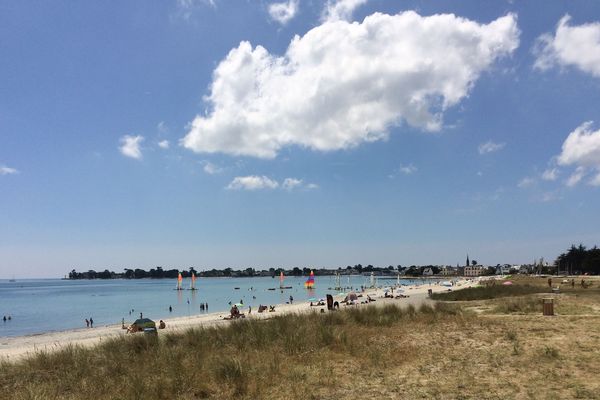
x=14 y=348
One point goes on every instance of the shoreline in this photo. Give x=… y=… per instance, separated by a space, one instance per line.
x=19 y=347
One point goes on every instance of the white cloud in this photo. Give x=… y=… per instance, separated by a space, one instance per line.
x=185 y=8
x=291 y=183
x=4 y=170
x=162 y=127
x=576 y=177
x=255 y=182
x=336 y=10
x=130 y=146
x=577 y=46
x=211 y=168
x=582 y=147
x=252 y=182
x=408 y=169
x=283 y=12
x=582 y=150
x=343 y=84
x=595 y=181
x=490 y=147
x=526 y=182
x=163 y=144
x=551 y=174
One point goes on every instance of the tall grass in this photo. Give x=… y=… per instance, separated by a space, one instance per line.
x=241 y=360
x=490 y=292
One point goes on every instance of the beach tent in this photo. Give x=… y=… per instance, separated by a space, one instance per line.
x=143 y=323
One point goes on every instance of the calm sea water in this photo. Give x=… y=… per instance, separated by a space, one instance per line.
x=45 y=305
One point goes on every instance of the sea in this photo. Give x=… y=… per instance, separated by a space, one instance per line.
x=45 y=305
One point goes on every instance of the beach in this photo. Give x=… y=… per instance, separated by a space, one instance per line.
x=15 y=348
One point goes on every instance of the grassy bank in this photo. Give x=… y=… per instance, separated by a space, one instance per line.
x=383 y=352
x=490 y=292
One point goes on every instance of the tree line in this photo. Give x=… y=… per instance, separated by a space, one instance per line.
x=579 y=260
x=160 y=272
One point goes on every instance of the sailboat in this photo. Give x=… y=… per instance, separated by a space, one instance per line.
x=179 y=281
x=193 y=282
x=310 y=282
x=281 y=286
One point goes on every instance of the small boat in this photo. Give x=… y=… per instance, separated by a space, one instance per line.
x=193 y=283
x=179 y=280
x=310 y=282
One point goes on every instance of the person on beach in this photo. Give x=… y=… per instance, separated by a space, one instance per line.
x=170 y=309
x=291 y=299
x=141 y=316
x=206 y=306
x=249 y=310
x=122 y=323
x=87 y=323
x=4 y=318
x=91 y=322
x=162 y=325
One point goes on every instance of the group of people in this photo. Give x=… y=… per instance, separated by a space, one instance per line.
x=89 y=323
x=6 y=318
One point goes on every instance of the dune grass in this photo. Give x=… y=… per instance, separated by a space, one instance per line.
x=242 y=359
x=490 y=292
x=376 y=351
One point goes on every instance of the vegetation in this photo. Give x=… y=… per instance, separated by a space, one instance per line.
x=380 y=351
x=579 y=260
x=490 y=292
x=159 y=272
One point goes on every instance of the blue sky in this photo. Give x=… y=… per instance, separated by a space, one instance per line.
x=308 y=133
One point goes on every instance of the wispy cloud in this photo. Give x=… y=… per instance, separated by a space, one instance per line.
x=211 y=168
x=551 y=174
x=255 y=182
x=526 y=182
x=490 y=147
x=575 y=177
x=4 y=170
x=163 y=144
x=408 y=169
x=336 y=10
x=130 y=146
x=252 y=182
x=283 y=12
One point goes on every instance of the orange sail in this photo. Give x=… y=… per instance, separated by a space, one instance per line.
x=310 y=282
x=193 y=284
x=281 y=279
x=179 y=280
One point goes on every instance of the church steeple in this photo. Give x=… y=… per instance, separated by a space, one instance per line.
x=467 y=261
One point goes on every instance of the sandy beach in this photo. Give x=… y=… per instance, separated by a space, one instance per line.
x=14 y=348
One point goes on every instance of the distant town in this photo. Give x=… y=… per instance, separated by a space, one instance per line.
x=577 y=260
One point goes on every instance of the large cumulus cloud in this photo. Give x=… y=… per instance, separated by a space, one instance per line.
x=343 y=84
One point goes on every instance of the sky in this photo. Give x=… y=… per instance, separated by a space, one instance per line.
x=265 y=134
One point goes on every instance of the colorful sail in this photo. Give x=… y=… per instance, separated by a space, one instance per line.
x=281 y=279
x=179 y=280
x=310 y=282
x=193 y=284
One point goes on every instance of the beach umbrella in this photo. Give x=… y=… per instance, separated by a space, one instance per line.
x=507 y=283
